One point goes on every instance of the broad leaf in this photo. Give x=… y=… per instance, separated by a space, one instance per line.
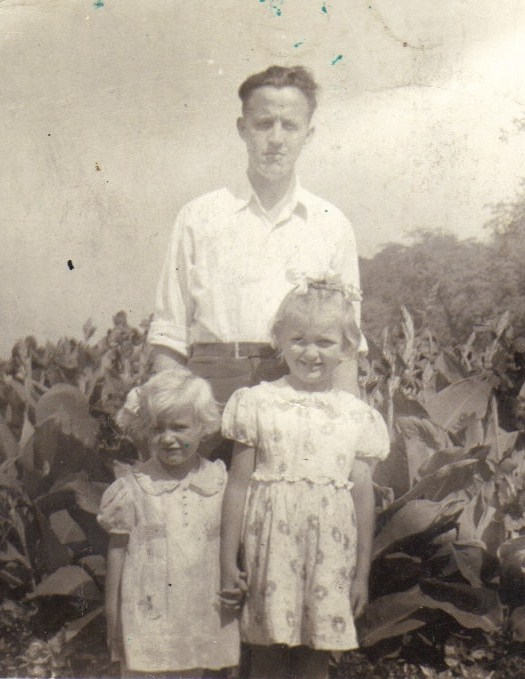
x=8 y=445
x=517 y=624
x=452 y=407
x=67 y=581
x=390 y=616
x=422 y=438
x=69 y=410
x=449 y=367
x=472 y=607
x=417 y=516
x=70 y=630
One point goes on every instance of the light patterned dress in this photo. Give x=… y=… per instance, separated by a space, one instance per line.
x=299 y=529
x=170 y=614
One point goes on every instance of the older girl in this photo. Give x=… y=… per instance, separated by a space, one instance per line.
x=298 y=509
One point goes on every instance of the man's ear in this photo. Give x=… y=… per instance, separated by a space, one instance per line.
x=241 y=127
x=309 y=135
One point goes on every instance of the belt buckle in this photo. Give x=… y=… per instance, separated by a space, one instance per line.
x=236 y=352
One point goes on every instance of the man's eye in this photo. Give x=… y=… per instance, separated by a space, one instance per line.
x=324 y=344
x=289 y=126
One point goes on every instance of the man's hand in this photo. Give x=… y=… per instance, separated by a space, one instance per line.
x=233 y=588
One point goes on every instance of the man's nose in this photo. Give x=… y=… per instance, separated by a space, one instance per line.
x=276 y=133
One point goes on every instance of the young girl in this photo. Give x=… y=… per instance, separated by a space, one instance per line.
x=299 y=470
x=164 y=519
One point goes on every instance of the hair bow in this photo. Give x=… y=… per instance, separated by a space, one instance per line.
x=329 y=280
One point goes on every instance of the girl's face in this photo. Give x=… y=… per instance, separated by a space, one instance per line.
x=175 y=437
x=312 y=349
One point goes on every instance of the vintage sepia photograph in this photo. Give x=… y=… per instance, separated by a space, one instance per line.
x=262 y=339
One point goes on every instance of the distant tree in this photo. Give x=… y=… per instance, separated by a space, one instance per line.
x=447 y=284
x=508 y=254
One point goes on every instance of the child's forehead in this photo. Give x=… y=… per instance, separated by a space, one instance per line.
x=323 y=320
x=177 y=412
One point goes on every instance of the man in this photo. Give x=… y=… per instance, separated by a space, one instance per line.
x=225 y=271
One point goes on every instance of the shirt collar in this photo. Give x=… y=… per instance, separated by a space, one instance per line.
x=294 y=200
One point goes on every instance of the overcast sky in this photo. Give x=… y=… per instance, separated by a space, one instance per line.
x=116 y=112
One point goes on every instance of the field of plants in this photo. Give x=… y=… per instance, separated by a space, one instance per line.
x=448 y=575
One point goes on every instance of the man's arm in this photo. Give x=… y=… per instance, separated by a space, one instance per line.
x=170 y=327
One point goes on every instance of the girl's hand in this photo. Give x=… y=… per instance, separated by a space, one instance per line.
x=359 y=595
x=233 y=588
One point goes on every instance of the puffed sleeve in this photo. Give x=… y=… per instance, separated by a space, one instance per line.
x=373 y=441
x=117 y=509
x=239 y=419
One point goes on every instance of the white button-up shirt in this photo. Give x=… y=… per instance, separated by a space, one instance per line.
x=224 y=275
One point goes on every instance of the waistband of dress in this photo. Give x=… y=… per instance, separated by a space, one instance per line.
x=290 y=478
x=233 y=349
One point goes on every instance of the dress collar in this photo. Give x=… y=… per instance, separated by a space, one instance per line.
x=154 y=480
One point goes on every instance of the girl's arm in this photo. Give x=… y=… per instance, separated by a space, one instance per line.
x=363 y=497
x=115 y=561
x=233 y=583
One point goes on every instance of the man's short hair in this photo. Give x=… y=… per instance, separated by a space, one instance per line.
x=281 y=76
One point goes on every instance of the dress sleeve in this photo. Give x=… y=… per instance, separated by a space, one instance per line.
x=239 y=420
x=373 y=441
x=117 y=510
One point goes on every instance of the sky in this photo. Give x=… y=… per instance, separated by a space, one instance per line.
x=114 y=113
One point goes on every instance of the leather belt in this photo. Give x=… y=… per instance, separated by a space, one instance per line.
x=233 y=349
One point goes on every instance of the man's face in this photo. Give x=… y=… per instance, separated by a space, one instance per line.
x=275 y=126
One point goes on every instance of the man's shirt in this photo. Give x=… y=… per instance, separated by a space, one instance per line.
x=224 y=275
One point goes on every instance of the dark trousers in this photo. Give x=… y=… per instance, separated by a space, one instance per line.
x=225 y=375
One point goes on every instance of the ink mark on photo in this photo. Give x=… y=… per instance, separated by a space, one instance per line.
x=98 y=3
x=324 y=8
x=336 y=59
x=97 y=167
x=70 y=264
x=298 y=44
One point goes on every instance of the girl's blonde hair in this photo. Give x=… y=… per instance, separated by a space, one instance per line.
x=318 y=298
x=163 y=395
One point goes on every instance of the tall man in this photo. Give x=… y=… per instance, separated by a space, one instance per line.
x=225 y=271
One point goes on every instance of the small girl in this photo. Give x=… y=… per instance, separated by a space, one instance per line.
x=300 y=471
x=163 y=516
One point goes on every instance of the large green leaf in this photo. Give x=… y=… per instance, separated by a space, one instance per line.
x=88 y=494
x=415 y=517
x=472 y=607
x=390 y=616
x=395 y=614
x=448 y=479
x=517 y=624
x=8 y=444
x=512 y=560
x=421 y=438
x=67 y=581
x=452 y=407
x=450 y=367
x=69 y=410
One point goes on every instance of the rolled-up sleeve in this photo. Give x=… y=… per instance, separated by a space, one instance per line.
x=173 y=304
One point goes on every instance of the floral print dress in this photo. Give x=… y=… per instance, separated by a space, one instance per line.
x=170 y=615
x=299 y=529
